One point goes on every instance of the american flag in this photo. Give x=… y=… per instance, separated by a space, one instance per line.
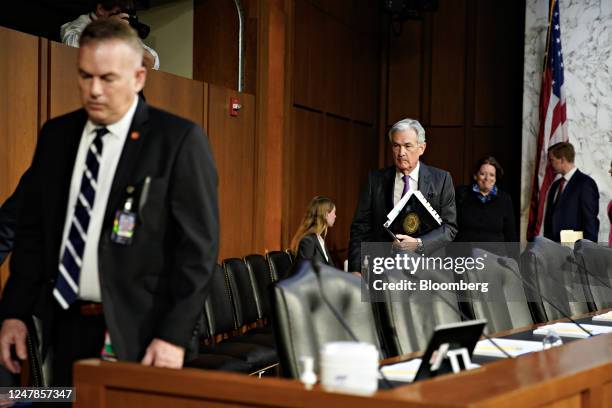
x=553 y=119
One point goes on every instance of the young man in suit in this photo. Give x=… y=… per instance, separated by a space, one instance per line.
x=118 y=234
x=573 y=199
x=385 y=188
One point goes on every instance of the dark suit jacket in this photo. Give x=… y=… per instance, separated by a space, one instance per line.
x=310 y=248
x=376 y=201
x=153 y=288
x=576 y=208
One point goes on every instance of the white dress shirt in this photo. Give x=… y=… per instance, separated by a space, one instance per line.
x=399 y=183
x=89 y=282
x=322 y=244
x=70 y=34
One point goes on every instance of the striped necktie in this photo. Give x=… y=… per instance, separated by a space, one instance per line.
x=66 y=288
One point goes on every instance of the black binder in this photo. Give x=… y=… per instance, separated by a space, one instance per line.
x=416 y=219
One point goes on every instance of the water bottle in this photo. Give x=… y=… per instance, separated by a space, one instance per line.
x=551 y=340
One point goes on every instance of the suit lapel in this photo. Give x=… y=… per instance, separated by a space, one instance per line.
x=425 y=181
x=569 y=186
x=388 y=187
x=64 y=165
x=129 y=158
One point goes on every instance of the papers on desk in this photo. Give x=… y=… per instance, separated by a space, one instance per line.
x=606 y=317
x=404 y=371
x=513 y=347
x=571 y=330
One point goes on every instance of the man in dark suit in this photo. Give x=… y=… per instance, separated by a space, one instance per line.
x=118 y=234
x=573 y=199
x=385 y=187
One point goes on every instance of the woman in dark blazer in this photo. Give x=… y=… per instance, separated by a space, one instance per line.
x=309 y=240
x=484 y=213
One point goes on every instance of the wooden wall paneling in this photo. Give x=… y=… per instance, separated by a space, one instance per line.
x=19 y=81
x=233 y=144
x=341 y=10
x=307 y=149
x=308 y=55
x=494 y=63
x=63 y=88
x=364 y=78
x=270 y=132
x=366 y=17
x=337 y=82
x=448 y=64
x=215 y=42
x=339 y=181
x=445 y=150
x=405 y=72
x=175 y=94
x=43 y=76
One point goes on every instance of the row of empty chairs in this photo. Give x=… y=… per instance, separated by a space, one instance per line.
x=303 y=323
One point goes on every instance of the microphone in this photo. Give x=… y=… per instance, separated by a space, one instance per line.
x=466 y=317
x=504 y=263
x=340 y=319
x=582 y=267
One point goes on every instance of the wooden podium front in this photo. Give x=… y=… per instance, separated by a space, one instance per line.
x=578 y=374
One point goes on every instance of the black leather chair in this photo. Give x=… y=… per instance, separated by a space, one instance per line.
x=302 y=321
x=544 y=263
x=280 y=264
x=407 y=320
x=245 y=299
x=504 y=306
x=220 y=318
x=596 y=261
x=261 y=275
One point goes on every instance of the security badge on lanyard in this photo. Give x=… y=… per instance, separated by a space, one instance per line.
x=125 y=221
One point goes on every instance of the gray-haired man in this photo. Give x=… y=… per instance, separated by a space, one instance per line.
x=385 y=187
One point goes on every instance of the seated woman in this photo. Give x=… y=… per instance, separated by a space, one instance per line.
x=484 y=213
x=309 y=240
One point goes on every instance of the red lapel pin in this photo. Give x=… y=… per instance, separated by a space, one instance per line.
x=135 y=135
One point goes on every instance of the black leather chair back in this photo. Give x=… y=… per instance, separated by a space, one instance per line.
x=279 y=263
x=218 y=308
x=262 y=278
x=302 y=321
x=407 y=320
x=545 y=264
x=504 y=306
x=244 y=293
x=597 y=260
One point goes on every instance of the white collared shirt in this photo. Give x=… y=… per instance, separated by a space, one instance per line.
x=399 y=183
x=89 y=282
x=322 y=244
x=569 y=175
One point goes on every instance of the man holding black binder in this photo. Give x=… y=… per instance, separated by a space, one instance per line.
x=385 y=189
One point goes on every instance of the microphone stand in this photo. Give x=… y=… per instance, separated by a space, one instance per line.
x=503 y=263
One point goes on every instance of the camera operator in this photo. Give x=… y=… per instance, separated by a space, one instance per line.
x=115 y=9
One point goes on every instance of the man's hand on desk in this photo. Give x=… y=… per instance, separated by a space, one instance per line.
x=160 y=353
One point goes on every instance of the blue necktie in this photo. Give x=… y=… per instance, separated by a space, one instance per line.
x=67 y=286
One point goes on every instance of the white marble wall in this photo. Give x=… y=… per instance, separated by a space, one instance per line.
x=586 y=38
